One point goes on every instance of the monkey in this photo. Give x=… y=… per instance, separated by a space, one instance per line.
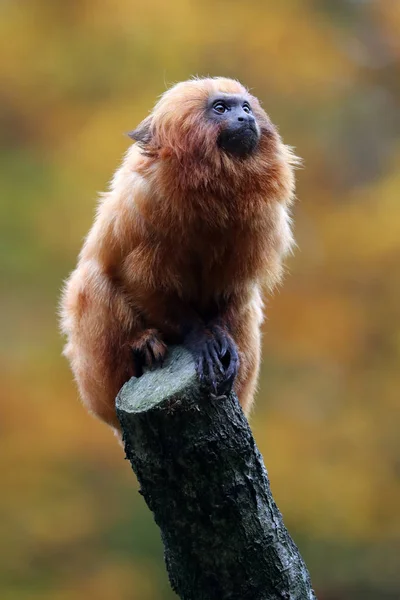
x=195 y=225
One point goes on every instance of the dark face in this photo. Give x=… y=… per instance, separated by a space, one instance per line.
x=239 y=133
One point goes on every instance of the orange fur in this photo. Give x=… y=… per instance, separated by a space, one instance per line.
x=184 y=229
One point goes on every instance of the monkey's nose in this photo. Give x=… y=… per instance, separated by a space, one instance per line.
x=246 y=118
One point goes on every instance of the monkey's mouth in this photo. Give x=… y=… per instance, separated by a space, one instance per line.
x=239 y=141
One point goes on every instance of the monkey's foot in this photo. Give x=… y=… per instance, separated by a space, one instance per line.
x=148 y=352
x=214 y=350
x=228 y=352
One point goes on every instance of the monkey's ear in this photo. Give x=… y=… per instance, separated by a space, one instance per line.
x=143 y=133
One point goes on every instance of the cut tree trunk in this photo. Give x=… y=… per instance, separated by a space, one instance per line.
x=202 y=476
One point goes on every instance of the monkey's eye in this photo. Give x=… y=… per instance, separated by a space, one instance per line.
x=220 y=108
x=246 y=108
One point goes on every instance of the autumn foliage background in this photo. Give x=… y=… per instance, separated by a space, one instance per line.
x=74 y=76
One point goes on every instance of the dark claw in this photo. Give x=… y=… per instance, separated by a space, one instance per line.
x=223 y=341
x=214 y=354
x=228 y=352
x=210 y=367
x=233 y=366
x=200 y=367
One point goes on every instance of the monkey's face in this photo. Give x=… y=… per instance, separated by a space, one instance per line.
x=206 y=124
x=239 y=132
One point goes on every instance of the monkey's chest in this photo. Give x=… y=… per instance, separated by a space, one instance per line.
x=218 y=269
x=199 y=273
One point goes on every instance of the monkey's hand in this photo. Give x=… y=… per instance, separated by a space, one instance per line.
x=214 y=350
x=148 y=351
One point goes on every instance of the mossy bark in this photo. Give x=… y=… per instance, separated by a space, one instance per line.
x=204 y=479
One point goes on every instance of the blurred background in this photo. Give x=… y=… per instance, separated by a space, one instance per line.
x=74 y=76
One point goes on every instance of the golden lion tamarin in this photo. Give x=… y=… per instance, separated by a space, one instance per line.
x=195 y=223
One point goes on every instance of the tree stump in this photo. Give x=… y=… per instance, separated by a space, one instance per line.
x=202 y=476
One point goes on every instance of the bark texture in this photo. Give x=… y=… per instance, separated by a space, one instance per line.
x=204 y=479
